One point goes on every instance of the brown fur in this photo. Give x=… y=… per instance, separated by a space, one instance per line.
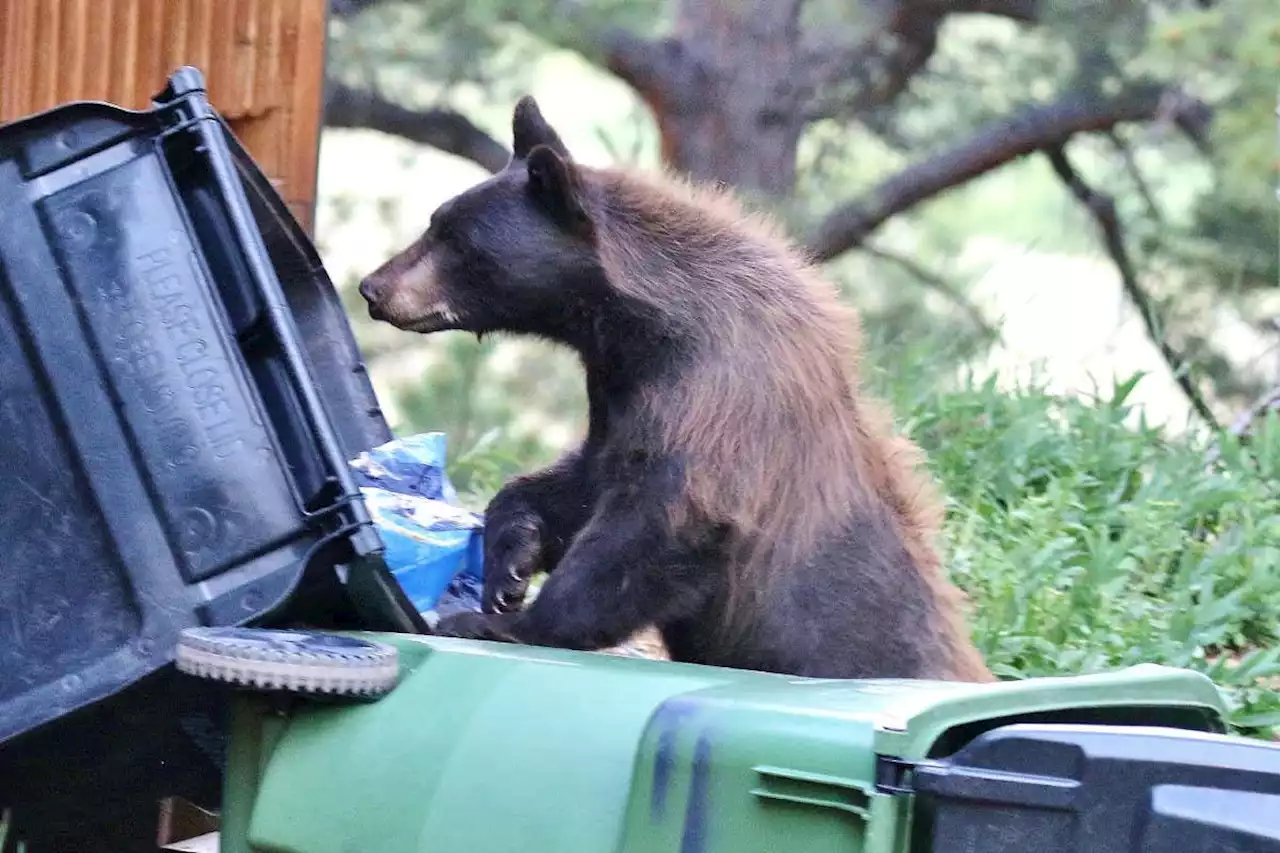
x=779 y=484
x=777 y=511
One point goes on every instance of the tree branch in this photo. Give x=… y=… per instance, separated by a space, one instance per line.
x=1130 y=161
x=1102 y=208
x=994 y=145
x=655 y=69
x=938 y=284
x=877 y=72
x=440 y=128
x=1265 y=403
x=879 y=68
x=1268 y=402
x=592 y=30
x=871 y=73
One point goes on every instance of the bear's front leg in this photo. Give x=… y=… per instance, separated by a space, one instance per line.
x=469 y=625
x=528 y=526
x=626 y=570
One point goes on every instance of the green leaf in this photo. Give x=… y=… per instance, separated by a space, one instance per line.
x=1262 y=720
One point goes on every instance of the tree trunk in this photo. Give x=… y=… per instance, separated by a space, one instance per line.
x=721 y=95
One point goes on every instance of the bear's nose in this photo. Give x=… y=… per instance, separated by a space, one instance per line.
x=369 y=290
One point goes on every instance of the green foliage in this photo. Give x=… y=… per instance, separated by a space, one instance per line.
x=476 y=399
x=1088 y=542
x=484 y=465
x=1231 y=53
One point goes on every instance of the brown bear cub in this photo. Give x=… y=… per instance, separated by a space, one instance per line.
x=735 y=488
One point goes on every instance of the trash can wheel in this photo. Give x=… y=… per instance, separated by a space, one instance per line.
x=302 y=662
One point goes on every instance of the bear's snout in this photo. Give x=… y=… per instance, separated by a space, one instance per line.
x=371 y=289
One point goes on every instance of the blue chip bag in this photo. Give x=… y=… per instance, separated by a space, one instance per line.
x=434 y=548
x=413 y=465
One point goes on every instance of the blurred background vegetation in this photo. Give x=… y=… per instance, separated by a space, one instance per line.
x=1058 y=218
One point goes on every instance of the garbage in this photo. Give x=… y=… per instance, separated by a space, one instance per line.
x=434 y=546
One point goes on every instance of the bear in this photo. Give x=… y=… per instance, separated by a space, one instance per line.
x=736 y=487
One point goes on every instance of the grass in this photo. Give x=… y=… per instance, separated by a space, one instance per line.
x=1086 y=542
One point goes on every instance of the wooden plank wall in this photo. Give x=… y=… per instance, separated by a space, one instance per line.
x=263 y=61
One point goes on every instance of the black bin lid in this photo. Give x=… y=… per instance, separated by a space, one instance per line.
x=1055 y=788
x=180 y=392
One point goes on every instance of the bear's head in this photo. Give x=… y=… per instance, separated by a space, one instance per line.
x=516 y=253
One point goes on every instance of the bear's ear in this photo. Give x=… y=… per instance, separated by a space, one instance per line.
x=529 y=129
x=557 y=188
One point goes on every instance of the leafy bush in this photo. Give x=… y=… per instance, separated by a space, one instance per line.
x=1088 y=543
x=495 y=457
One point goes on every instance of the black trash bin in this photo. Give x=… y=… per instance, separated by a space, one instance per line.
x=180 y=392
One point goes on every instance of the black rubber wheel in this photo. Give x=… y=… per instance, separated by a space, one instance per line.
x=304 y=662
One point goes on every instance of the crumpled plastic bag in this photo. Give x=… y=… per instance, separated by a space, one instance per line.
x=434 y=547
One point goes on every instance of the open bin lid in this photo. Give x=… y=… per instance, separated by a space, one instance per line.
x=1101 y=789
x=933 y=718
x=1077 y=765
x=180 y=392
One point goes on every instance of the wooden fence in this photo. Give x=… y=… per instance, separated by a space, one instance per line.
x=263 y=60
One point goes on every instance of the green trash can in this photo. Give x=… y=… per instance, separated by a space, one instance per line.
x=489 y=748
